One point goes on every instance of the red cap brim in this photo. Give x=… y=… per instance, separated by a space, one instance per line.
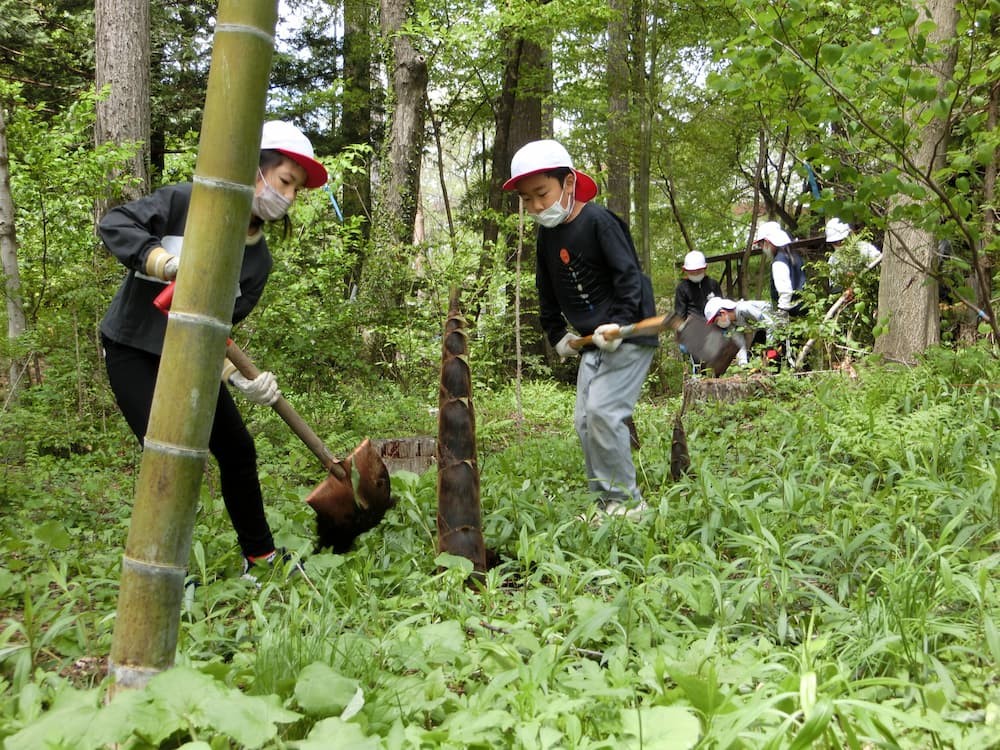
x=316 y=175
x=585 y=190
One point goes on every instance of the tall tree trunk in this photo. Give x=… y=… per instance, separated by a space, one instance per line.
x=908 y=293
x=518 y=121
x=643 y=93
x=16 y=324
x=357 y=118
x=520 y=118
x=400 y=189
x=176 y=446
x=620 y=139
x=121 y=37
x=387 y=271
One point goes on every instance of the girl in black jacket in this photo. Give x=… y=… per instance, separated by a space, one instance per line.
x=146 y=235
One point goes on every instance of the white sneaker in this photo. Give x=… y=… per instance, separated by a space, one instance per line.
x=269 y=564
x=625 y=508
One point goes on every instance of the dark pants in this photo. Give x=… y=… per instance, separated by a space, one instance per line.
x=132 y=373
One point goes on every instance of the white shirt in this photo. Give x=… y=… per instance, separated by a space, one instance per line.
x=750 y=315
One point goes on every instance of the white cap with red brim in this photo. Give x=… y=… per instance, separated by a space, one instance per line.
x=544 y=156
x=285 y=138
x=836 y=230
x=716 y=305
x=773 y=233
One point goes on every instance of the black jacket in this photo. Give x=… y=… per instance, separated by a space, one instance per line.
x=157 y=220
x=588 y=273
x=690 y=297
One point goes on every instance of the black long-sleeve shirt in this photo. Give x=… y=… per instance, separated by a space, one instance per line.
x=130 y=232
x=588 y=273
x=691 y=296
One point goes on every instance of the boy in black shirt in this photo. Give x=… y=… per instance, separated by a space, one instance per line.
x=588 y=277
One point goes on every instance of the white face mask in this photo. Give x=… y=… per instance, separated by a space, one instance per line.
x=555 y=214
x=269 y=204
x=722 y=322
x=696 y=277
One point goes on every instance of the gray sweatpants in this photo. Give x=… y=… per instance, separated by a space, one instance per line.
x=607 y=388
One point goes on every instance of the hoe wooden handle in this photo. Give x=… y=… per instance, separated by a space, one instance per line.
x=645 y=327
x=287 y=412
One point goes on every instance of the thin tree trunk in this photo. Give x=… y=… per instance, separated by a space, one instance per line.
x=16 y=323
x=668 y=182
x=908 y=291
x=176 y=445
x=643 y=93
x=122 y=41
x=619 y=197
x=442 y=182
x=980 y=275
x=357 y=119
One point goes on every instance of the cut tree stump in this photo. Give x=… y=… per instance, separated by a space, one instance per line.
x=728 y=390
x=416 y=454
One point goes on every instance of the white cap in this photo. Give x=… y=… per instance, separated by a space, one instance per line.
x=715 y=304
x=543 y=156
x=773 y=233
x=694 y=261
x=836 y=230
x=287 y=139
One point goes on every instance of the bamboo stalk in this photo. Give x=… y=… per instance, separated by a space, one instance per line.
x=176 y=443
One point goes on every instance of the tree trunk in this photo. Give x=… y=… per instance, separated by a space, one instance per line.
x=122 y=40
x=620 y=140
x=518 y=121
x=979 y=276
x=357 y=119
x=16 y=324
x=908 y=293
x=176 y=446
x=643 y=93
x=387 y=269
x=408 y=75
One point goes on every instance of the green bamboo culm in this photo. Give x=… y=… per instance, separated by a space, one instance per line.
x=176 y=443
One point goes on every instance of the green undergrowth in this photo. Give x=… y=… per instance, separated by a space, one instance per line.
x=824 y=577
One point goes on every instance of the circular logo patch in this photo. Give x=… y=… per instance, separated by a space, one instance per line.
x=564 y=256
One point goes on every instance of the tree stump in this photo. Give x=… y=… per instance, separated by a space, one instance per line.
x=728 y=390
x=416 y=454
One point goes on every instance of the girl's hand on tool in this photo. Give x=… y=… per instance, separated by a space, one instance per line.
x=263 y=389
x=606 y=337
x=170 y=268
x=564 y=348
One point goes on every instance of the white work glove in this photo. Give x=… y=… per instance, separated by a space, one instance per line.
x=263 y=389
x=600 y=337
x=170 y=268
x=563 y=348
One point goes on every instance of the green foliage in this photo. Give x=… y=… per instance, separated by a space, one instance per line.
x=856 y=87
x=824 y=577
